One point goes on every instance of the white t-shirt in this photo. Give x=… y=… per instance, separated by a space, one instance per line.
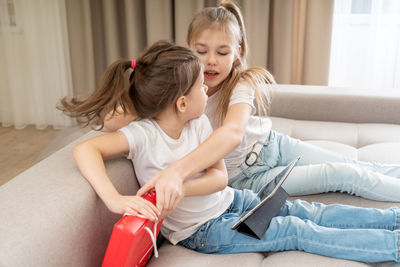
x=152 y=150
x=257 y=129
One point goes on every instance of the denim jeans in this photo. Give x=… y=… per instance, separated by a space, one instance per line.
x=340 y=231
x=319 y=171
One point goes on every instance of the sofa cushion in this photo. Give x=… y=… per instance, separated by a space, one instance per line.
x=178 y=256
x=363 y=141
x=353 y=134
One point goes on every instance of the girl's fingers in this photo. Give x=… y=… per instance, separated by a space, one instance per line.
x=151 y=208
x=149 y=215
x=143 y=190
x=167 y=200
x=160 y=200
x=175 y=202
x=174 y=199
x=155 y=210
x=130 y=211
x=148 y=210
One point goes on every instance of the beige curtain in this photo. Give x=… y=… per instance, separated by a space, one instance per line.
x=289 y=37
x=101 y=31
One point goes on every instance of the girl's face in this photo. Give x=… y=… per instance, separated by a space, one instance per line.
x=216 y=50
x=197 y=98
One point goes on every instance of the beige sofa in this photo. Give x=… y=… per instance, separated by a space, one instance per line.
x=50 y=216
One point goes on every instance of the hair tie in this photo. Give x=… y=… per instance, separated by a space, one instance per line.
x=133 y=64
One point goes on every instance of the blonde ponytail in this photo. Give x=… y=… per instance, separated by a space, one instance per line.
x=235 y=10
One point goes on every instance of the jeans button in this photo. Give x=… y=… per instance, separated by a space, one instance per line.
x=202 y=245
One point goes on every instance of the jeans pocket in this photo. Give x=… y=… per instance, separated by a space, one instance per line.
x=188 y=243
x=197 y=239
x=269 y=154
x=204 y=244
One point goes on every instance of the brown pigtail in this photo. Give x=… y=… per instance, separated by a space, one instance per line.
x=160 y=76
x=110 y=95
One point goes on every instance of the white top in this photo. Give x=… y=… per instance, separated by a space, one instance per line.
x=152 y=150
x=257 y=128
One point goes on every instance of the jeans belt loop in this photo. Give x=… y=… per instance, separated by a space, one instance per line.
x=252 y=157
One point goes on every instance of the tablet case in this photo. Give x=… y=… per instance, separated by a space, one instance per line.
x=258 y=220
x=130 y=243
x=257 y=224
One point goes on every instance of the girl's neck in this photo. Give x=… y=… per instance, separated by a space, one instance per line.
x=212 y=90
x=170 y=123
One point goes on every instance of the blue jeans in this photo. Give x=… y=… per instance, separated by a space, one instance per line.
x=340 y=231
x=319 y=171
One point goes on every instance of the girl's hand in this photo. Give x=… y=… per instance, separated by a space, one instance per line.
x=169 y=190
x=133 y=205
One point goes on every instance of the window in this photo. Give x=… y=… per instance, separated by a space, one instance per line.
x=365 y=48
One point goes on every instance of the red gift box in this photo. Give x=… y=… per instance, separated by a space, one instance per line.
x=131 y=242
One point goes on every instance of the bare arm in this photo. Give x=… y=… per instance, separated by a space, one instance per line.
x=89 y=157
x=213 y=180
x=168 y=183
x=226 y=139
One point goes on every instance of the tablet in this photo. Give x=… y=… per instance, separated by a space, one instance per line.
x=276 y=183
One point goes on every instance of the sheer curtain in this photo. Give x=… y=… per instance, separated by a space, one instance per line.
x=366 y=44
x=35 y=65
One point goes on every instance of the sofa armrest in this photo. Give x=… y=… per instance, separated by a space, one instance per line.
x=51 y=216
x=322 y=103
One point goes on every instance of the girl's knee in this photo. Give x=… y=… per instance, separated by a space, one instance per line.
x=344 y=169
x=284 y=226
x=303 y=209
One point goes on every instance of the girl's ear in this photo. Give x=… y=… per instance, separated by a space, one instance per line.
x=181 y=104
x=239 y=49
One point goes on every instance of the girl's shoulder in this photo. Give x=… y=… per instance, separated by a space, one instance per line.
x=243 y=86
x=145 y=127
x=199 y=122
x=143 y=123
x=201 y=126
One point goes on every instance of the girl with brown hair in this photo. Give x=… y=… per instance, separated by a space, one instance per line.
x=166 y=92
